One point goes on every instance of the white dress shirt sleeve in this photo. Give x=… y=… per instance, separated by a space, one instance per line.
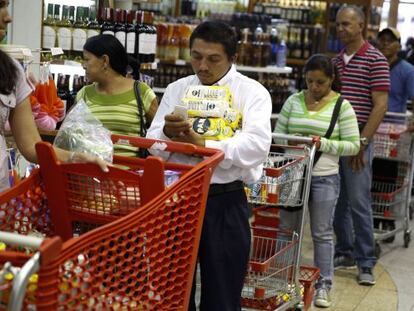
x=249 y=147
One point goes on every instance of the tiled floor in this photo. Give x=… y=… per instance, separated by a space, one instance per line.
x=394 y=272
x=394 y=290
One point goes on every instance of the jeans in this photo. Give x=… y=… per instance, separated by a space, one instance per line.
x=353 y=223
x=324 y=194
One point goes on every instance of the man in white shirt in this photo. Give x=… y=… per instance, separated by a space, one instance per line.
x=225 y=241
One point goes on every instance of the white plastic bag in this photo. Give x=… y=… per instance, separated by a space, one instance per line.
x=82 y=132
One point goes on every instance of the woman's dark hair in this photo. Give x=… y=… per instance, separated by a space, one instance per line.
x=216 y=32
x=323 y=63
x=8 y=74
x=108 y=45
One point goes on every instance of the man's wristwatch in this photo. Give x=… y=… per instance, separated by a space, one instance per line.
x=364 y=141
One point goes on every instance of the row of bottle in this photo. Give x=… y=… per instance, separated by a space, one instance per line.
x=279 y=87
x=167 y=74
x=262 y=49
x=173 y=41
x=66 y=93
x=204 y=8
x=294 y=11
x=134 y=29
x=66 y=32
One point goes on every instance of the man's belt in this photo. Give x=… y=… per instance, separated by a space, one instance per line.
x=216 y=189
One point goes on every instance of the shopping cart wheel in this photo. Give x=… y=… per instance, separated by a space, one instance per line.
x=389 y=225
x=377 y=250
x=407 y=238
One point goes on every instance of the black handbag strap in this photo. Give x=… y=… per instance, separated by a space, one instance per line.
x=331 y=127
x=142 y=153
x=141 y=115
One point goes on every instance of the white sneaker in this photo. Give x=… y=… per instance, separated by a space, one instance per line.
x=322 y=298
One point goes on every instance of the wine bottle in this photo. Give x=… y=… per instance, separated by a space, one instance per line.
x=108 y=24
x=120 y=27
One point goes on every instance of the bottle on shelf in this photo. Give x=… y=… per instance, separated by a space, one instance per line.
x=48 y=31
x=257 y=46
x=79 y=34
x=162 y=40
x=108 y=24
x=94 y=28
x=120 y=26
x=274 y=44
x=72 y=14
x=185 y=32
x=172 y=51
x=64 y=33
x=244 y=48
x=130 y=34
x=281 y=54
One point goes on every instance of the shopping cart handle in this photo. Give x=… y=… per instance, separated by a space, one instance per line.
x=295 y=138
x=162 y=145
x=20 y=240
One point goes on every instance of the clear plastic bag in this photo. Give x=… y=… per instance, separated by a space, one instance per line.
x=82 y=132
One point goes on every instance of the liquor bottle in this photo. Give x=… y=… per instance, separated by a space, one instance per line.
x=130 y=33
x=49 y=33
x=162 y=40
x=72 y=14
x=257 y=46
x=306 y=44
x=120 y=27
x=244 y=48
x=93 y=26
x=297 y=45
x=108 y=27
x=172 y=51
x=141 y=35
x=185 y=32
x=266 y=48
x=274 y=43
x=64 y=33
x=79 y=34
x=281 y=54
x=151 y=35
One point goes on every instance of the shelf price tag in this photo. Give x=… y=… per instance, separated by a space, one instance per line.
x=27 y=52
x=56 y=51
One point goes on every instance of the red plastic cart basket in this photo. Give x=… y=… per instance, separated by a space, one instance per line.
x=142 y=261
x=83 y=197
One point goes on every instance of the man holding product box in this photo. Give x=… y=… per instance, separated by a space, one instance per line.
x=220 y=108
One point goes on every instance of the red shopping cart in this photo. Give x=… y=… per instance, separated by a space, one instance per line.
x=273 y=280
x=140 y=261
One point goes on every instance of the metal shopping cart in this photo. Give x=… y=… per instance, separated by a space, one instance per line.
x=142 y=259
x=274 y=277
x=392 y=178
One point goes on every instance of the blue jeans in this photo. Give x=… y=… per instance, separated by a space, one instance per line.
x=322 y=200
x=353 y=221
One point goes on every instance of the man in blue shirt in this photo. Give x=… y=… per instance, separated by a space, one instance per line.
x=401 y=71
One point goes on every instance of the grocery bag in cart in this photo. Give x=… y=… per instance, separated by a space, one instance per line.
x=143 y=260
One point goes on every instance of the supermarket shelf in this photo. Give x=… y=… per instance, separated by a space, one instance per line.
x=295 y=62
x=68 y=67
x=267 y=69
x=159 y=90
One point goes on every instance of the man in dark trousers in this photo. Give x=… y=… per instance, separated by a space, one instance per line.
x=364 y=76
x=225 y=240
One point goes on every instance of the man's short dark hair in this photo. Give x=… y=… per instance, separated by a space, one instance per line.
x=216 y=32
x=357 y=10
